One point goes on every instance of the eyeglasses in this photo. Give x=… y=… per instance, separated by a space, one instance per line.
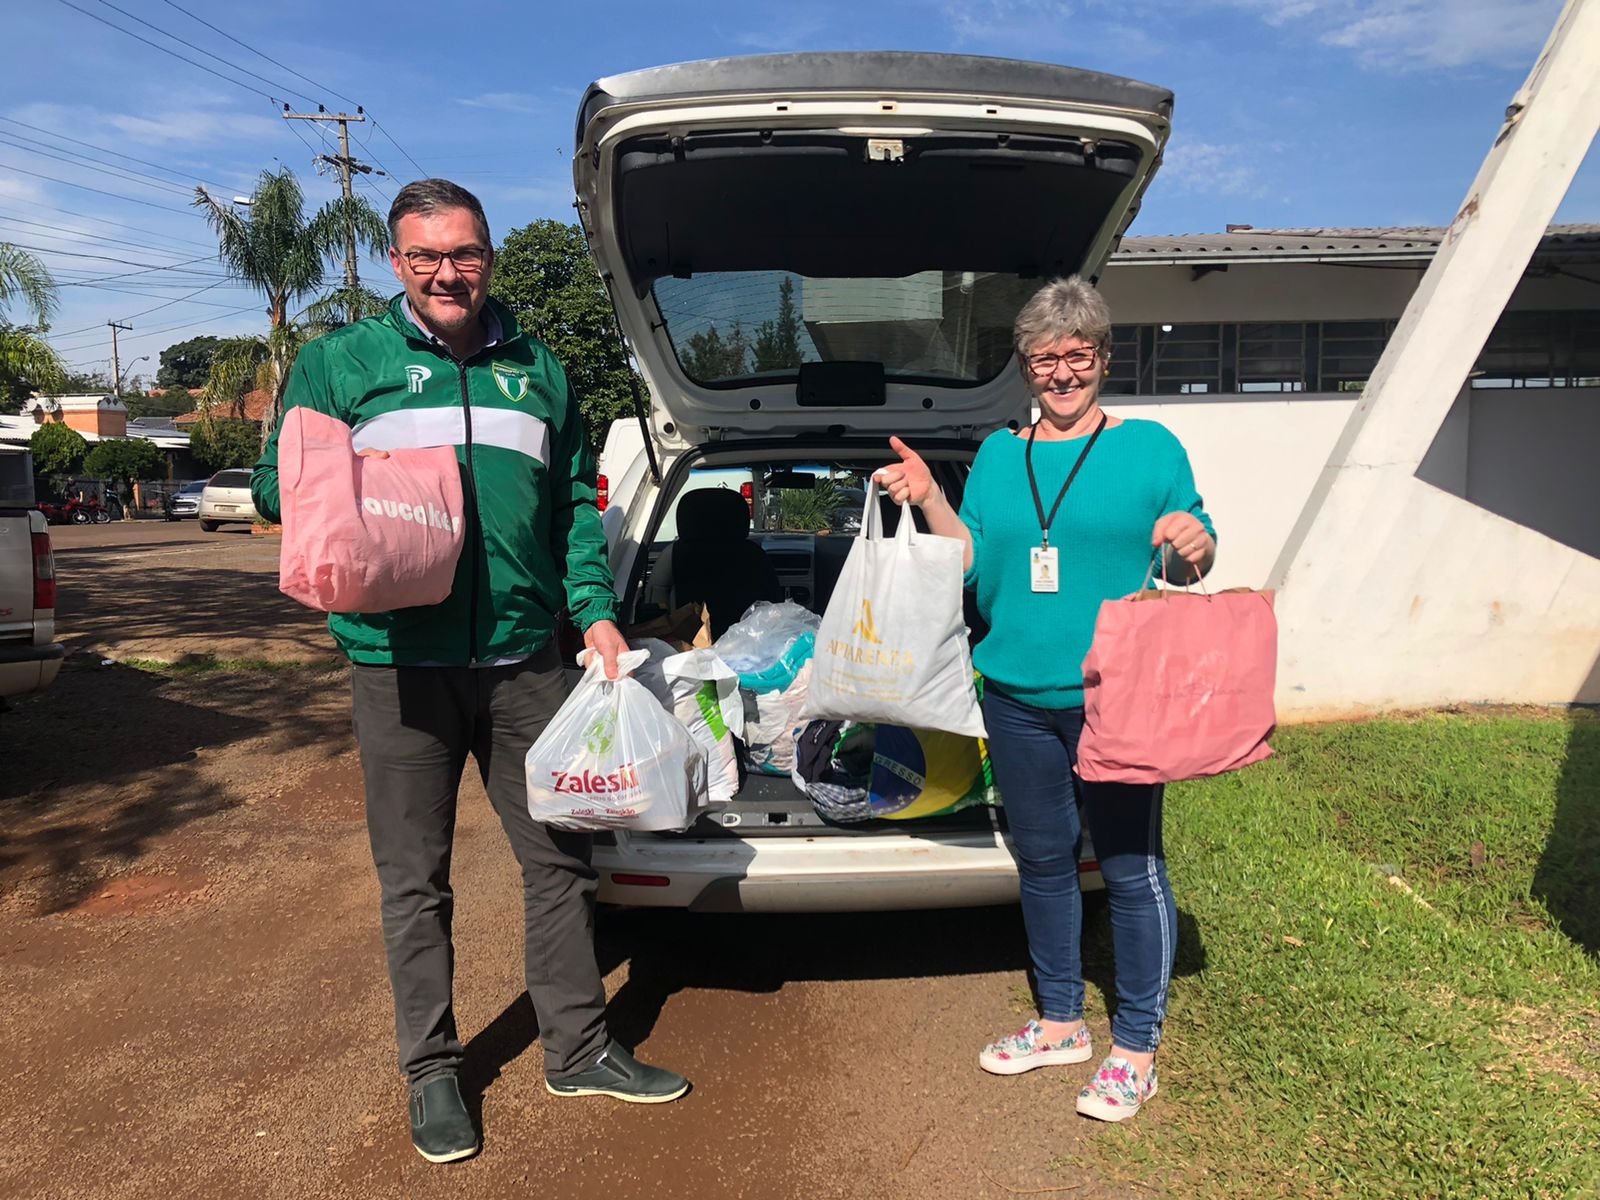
x=467 y=259
x=1080 y=360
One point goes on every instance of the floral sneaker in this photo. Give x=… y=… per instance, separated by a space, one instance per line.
x=1116 y=1091
x=1027 y=1048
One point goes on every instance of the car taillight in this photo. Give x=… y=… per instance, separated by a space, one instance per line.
x=44 y=573
x=602 y=492
x=748 y=491
x=640 y=880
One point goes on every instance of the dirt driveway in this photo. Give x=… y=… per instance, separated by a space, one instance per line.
x=193 y=983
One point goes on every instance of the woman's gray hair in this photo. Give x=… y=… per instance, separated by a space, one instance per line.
x=1070 y=307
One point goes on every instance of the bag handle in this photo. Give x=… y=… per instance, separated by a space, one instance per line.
x=871 y=524
x=872 y=521
x=1166 y=584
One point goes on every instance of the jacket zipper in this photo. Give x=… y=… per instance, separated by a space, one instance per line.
x=472 y=506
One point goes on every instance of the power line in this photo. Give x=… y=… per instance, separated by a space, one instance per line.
x=420 y=168
x=80 y=160
x=188 y=212
x=103 y=149
x=179 y=300
x=67 y=212
x=258 y=53
x=164 y=49
x=100 y=287
x=85 y=237
x=108 y=258
x=198 y=49
x=171 y=328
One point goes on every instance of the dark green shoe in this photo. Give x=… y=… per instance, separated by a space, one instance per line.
x=617 y=1073
x=441 y=1129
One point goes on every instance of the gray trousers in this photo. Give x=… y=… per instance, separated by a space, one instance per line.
x=415 y=727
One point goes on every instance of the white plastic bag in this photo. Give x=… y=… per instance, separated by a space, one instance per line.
x=705 y=697
x=651 y=673
x=892 y=648
x=613 y=758
x=772 y=720
x=771 y=647
x=757 y=642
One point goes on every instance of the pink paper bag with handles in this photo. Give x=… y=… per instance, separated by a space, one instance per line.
x=364 y=535
x=1178 y=685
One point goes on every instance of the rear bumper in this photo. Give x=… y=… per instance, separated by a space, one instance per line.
x=29 y=668
x=800 y=874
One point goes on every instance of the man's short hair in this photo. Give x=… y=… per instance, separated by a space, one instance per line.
x=429 y=196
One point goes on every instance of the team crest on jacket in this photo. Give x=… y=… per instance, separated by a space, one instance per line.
x=512 y=381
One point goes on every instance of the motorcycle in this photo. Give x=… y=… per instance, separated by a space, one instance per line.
x=74 y=511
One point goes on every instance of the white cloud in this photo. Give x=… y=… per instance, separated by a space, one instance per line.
x=1012 y=22
x=26 y=191
x=797 y=33
x=187 y=127
x=1211 y=169
x=1425 y=34
x=196 y=125
x=513 y=102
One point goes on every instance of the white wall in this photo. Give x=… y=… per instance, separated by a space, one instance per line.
x=1477 y=579
x=1255 y=458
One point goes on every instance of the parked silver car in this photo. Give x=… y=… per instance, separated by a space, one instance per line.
x=226 y=500
x=185 y=502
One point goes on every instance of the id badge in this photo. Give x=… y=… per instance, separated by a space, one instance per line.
x=1045 y=569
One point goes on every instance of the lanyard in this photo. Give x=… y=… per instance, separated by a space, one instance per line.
x=1044 y=521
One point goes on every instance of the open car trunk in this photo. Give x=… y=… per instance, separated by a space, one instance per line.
x=879 y=217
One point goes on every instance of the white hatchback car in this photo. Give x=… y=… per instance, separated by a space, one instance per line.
x=226 y=500
x=808 y=253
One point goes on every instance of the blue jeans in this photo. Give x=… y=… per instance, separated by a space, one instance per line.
x=1033 y=750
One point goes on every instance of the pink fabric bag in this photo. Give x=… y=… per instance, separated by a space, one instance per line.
x=1178 y=685
x=364 y=535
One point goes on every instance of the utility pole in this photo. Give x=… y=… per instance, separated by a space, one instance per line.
x=346 y=166
x=116 y=373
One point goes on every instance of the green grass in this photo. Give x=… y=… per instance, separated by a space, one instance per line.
x=1341 y=1036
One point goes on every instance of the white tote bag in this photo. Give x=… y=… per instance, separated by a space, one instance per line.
x=892 y=648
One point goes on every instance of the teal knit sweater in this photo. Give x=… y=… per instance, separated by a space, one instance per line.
x=1137 y=473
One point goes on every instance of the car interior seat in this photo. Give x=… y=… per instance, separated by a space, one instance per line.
x=714 y=562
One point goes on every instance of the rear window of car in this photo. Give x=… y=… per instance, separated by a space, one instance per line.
x=231 y=479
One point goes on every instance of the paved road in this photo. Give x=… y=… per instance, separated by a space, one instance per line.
x=192 y=975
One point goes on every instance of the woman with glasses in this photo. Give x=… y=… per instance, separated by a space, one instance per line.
x=1077 y=508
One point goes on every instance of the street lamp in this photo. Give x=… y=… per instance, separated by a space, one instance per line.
x=126 y=369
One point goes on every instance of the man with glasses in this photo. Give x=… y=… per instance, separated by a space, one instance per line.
x=478 y=673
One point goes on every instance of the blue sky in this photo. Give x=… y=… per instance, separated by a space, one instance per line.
x=1290 y=113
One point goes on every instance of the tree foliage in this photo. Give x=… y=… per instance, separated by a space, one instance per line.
x=184 y=364
x=218 y=445
x=125 y=460
x=709 y=355
x=777 y=344
x=543 y=273
x=26 y=361
x=284 y=255
x=173 y=402
x=712 y=355
x=57 y=449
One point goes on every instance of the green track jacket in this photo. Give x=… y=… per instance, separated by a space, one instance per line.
x=534 y=543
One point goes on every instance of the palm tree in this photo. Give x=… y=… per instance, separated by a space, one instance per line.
x=284 y=256
x=23 y=353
